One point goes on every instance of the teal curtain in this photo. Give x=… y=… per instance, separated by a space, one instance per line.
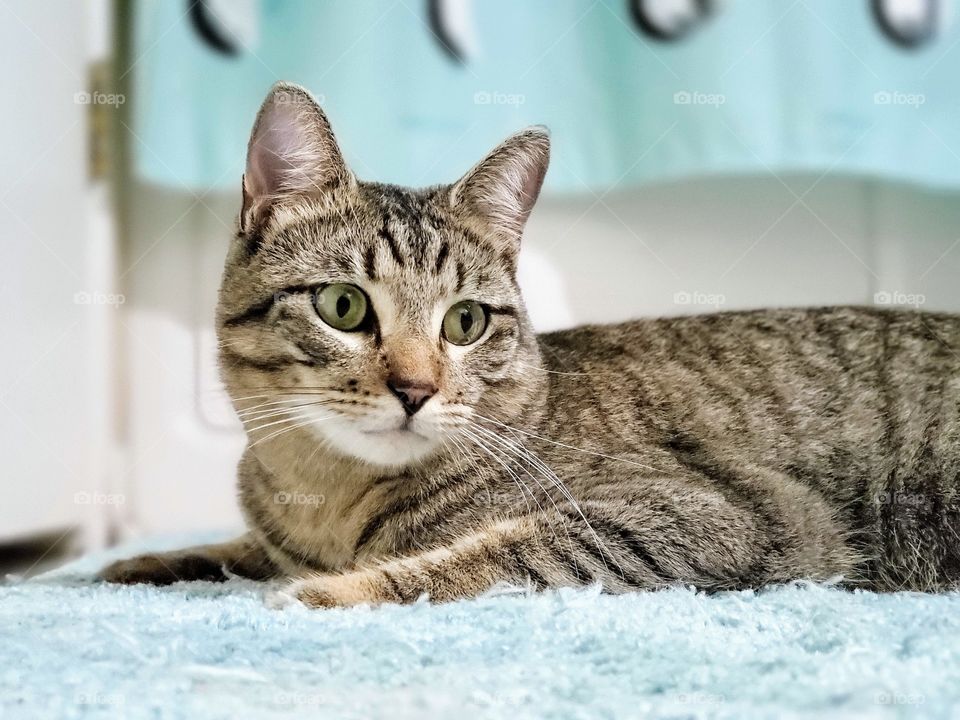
x=762 y=86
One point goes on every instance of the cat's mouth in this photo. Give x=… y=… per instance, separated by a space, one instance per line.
x=396 y=433
x=403 y=429
x=387 y=441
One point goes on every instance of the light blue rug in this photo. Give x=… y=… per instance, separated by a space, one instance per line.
x=71 y=648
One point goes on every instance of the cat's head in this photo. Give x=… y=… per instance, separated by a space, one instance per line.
x=378 y=320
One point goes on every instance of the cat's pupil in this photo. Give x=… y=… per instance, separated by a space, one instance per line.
x=466 y=321
x=343 y=306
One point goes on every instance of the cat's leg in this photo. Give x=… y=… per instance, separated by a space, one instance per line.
x=242 y=556
x=567 y=548
x=680 y=531
x=510 y=551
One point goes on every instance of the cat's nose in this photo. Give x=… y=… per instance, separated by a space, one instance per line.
x=411 y=393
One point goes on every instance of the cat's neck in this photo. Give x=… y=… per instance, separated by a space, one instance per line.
x=299 y=459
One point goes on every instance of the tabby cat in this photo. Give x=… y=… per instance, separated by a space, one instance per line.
x=409 y=434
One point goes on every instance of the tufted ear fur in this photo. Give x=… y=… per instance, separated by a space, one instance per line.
x=501 y=189
x=292 y=152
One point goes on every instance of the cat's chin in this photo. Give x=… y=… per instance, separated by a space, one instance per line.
x=393 y=448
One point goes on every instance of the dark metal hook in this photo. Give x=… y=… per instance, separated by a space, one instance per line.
x=437 y=21
x=204 y=24
x=643 y=18
x=909 y=35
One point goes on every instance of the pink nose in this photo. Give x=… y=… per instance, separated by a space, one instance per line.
x=412 y=394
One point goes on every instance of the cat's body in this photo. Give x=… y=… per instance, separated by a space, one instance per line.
x=406 y=456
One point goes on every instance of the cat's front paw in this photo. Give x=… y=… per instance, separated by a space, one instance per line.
x=163 y=569
x=331 y=591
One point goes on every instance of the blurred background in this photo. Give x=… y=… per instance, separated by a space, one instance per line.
x=708 y=155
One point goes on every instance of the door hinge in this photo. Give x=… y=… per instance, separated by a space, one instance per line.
x=103 y=108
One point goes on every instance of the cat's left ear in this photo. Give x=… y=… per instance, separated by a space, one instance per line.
x=292 y=153
x=501 y=189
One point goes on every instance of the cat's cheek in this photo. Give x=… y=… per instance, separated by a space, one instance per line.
x=463 y=385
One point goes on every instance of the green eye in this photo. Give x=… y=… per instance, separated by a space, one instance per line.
x=341 y=306
x=464 y=323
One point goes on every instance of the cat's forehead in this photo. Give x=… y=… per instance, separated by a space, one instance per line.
x=409 y=241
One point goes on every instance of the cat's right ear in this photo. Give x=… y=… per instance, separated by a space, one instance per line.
x=501 y=189
x=292 y=153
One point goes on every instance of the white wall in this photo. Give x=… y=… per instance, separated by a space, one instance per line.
x=739 y=242
x=55 y=242
x=749 y=243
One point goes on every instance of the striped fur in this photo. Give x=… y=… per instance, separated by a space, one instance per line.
x=725 y=451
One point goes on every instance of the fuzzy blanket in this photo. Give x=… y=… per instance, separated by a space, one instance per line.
x=73 y=648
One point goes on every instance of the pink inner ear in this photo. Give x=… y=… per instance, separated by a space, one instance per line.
x=292 y=151
x=270 y=169
x=503 y=188
x=530 y=188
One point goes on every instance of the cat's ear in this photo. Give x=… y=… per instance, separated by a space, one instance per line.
x=501 y=189
x=292 y=153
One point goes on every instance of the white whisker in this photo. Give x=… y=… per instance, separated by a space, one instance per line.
x=300 y=416
x=516 y=479
x=262 y=414
x=524 y=452
x=571 y=447
x=523 y=486
x=281 y=431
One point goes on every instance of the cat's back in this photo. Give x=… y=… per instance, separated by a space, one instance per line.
x=845 y=339
x=802 y=388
